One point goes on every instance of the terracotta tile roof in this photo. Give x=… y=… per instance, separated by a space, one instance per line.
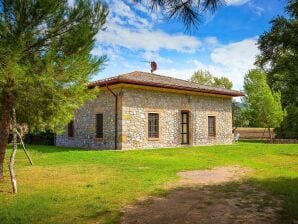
x=150 y=79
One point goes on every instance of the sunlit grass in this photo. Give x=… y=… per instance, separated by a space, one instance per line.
x=68 y=185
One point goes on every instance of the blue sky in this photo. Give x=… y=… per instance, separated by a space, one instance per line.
x=224 y=44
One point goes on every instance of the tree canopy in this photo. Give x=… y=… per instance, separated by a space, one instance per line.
x=204 y=77
x=279 y=57
x=263 y=106
x=45 y=61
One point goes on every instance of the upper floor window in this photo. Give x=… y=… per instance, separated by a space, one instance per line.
x=70 y=129
x=99 y=125
x=153 y=125
x=211 y=126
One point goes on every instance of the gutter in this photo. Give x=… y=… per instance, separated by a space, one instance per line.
x=116 y=116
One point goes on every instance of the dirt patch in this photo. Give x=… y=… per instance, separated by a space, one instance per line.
x=216 y=175
x=211 y=198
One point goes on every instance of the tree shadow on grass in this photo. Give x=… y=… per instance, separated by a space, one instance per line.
x=252 y=201
x=54 y=149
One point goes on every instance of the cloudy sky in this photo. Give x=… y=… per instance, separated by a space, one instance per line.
x=224 y=44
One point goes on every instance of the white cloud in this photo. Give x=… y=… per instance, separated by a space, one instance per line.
x=155 y=56
x=232 y=60
x=125 y=28
x=236 y=2
x=238 y=55
x=143 y=39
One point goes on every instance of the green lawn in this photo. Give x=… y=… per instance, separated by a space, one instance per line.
x=68 y=185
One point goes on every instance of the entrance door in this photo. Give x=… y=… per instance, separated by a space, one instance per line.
x=185 y=127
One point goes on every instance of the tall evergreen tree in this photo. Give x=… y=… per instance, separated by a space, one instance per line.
x=45 y=61
x=279 y=57
x=263 y=106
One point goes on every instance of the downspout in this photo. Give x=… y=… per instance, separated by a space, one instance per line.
x=116 y=116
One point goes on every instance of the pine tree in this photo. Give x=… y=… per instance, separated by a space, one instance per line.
x=45 y=61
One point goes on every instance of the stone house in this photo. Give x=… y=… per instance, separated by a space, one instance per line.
x=145 y=110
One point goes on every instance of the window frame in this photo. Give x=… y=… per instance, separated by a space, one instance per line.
x=99 y=133
x=211 y=134
x=149 y=135
x=70 y=129
x=187 y=113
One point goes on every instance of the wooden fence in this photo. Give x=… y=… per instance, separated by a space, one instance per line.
x=254 y=133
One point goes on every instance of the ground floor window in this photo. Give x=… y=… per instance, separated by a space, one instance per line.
x=185 y=127
x=211 y=126
x=70 y=129
x=153 y=125
x=99 y=125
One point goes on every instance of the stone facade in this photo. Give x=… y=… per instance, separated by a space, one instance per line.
x=85 y=124
x=134 y=104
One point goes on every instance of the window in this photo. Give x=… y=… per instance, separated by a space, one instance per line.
x=185 y=127
x=211 y=126
x=153 y=125
x=70 y=129
x=99 y=125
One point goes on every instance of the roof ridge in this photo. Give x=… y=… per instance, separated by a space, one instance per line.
x=182 y=80
x=146 y=78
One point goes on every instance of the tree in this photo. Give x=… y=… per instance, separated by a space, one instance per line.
x=188 y=11
x=45 y=61
x=206 y=78
x=263 y=105
x=239 y=114
x=279 y=56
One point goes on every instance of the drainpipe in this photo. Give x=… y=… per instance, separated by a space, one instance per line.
x=116 y=115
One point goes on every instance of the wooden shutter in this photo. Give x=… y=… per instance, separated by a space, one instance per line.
x=211 y=126
x=99 y=125
x=70 y=129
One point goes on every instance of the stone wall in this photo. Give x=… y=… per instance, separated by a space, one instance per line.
x=133 y=108
x=85 y=125
x=136 y=104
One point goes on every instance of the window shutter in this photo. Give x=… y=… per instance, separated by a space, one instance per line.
x=99 y=125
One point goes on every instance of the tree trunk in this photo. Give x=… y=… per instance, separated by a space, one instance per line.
x=13 y=154
x=24 y=148
x=4 y=127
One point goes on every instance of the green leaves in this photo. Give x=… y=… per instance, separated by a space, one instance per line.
x=45 y=50
x=279 y=56
x=263 y=105
x=206 y=78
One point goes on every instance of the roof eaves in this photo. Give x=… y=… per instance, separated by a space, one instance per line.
x=119 y=79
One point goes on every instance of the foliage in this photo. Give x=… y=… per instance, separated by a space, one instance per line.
x=206 y=78
x=188 y=11
x=40 y=138
x=240 y=117
x=68 y=185
x=279 y=56
x=45 y=57
x=263 y=105
x=289 y=126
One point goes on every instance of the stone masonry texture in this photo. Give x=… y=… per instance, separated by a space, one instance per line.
x=134 y=104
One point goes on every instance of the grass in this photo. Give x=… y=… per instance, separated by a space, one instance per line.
x=68 y=185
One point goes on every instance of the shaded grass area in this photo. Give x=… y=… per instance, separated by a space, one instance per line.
x=68 y=185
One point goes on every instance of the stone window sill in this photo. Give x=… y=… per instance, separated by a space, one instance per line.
x=99 y=139
x=153 y=139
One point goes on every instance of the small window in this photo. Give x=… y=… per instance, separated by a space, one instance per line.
x=211 y=126
x=70 y=129
x=99 y=125
x=185 y=127
x=153 y=125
